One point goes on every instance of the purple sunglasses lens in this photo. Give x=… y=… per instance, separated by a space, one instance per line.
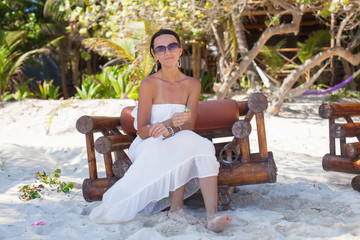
x=162 y=49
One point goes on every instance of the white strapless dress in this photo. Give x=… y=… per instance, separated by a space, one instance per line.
x=159 y=166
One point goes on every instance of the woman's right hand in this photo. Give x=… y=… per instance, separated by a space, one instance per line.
x=180 y=118
x=158 y=130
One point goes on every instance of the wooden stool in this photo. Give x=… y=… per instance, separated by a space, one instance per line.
x=348 y=161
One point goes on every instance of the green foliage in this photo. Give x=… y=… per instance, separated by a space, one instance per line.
x=88 y=90
x=34 y=190
x=272 y=58
x=344 y=92
x=123 y=81
x=108 y=19
x=112 y=82
x=22 y=91
x=275 y=20
x=207 y=82
x=9 y=41
x=47 y=90
x=313 y=44
x=6 y=96
x=245 y=81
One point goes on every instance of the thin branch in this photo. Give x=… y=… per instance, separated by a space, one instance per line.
x=291 y=79
x=305 y=86
x=341 y=28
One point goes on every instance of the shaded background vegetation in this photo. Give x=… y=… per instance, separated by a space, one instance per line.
x=99 y=48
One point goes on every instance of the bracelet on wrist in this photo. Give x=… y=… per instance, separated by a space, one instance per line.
x=171 y=131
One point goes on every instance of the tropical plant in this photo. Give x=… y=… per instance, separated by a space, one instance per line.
x=89 y=89
x=22 y=91
x=313 y=44
x=207 y=81
x=272 y=59
x=124 y=83
x=34 y=190
x=12 y=59
x=47 y=90
x=126 y=50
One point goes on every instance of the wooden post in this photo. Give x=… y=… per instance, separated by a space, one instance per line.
x=241 y=129
x=108 y=165
x=93 y=190
x=256 y=171
x=113 y=143
x=331 y=138
x=91 y=155
x=260 y=124
x=345 y=130
x=245 y=149
x=87 y=124
x=352 y=149
x=355 y=183
x=340 y=164
x=336 y=110
x=342 y=146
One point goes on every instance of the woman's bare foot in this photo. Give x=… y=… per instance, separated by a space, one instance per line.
x=183 y=216
x=219 y=223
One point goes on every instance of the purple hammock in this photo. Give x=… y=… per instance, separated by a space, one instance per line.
x=337 y=86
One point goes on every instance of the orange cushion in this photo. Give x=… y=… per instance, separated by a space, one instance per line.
x=211 y=115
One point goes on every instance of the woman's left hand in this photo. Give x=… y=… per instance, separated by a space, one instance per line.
x=179 y=119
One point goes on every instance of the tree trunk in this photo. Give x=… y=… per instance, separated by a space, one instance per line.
x=63 y=71
x=243 y=46
x=75 y=75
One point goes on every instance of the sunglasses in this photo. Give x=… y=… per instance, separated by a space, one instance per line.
x=161 y=50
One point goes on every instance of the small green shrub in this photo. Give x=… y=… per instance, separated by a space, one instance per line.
x=47 y=90
x=34 y=190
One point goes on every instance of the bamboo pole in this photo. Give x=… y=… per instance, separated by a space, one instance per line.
x=355 y=183
x=245 y=149
x=257 y=102
x=241 y=129
x=336 y=110
x=93 y=190
x=108 y=165
x=331 y=138
x=91 y=155
x=113 y=143
x=352 y=149
x=254 y=172
x=340 y=164
x=260 y=124
x=121 y=166
x=345 y=130
x=87 y=124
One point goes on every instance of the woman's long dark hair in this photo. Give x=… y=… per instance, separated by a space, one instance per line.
x=157 y=34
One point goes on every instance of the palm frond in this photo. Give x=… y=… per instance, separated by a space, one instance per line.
x=56 y=10
x=312 y=45
x=115 y=48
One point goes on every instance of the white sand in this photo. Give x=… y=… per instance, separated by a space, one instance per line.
x=305 y=203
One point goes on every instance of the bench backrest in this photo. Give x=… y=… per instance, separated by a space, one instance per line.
x=211 y=116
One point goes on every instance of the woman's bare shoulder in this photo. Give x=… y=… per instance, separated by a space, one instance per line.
x=191 y=80
x=149 y=80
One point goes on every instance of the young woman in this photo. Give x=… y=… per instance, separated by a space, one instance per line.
x=170 y=161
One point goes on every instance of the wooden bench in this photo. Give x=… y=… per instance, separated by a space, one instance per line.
x=348 y=161
x=215 y=120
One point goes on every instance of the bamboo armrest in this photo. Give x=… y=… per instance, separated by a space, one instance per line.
x=91 y=124
x=336 y=110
